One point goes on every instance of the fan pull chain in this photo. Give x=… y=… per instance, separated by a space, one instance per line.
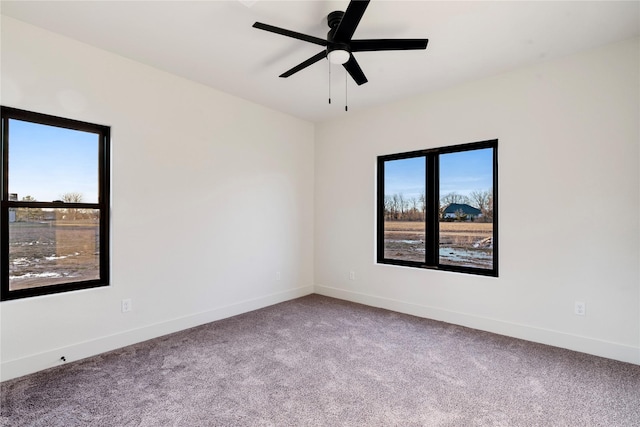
x=346 y=85
x=328 y=62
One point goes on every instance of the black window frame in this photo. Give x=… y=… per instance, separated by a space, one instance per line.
x=432 y=204
x=104 y=133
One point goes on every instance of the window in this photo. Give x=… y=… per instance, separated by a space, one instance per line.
x=54 y=212
x=437 y=208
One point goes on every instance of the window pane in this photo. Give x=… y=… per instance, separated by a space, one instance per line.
x=50 y=163
x=404 y=209
x=53 y=246
x=466 y=208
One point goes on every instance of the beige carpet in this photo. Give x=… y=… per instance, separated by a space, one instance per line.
x=317 y=361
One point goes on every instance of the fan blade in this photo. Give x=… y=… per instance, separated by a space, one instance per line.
x=388 y=44
x=350 y=20
x=353 y=68
x=289 y=33
x=305 y=64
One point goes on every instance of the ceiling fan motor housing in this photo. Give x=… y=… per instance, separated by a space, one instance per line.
x=334 y=19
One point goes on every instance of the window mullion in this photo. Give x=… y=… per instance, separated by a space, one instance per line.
x=4 y=213
x=431 y=215
x=380 y=212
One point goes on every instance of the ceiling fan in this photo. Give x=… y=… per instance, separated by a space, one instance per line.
x=340 y=46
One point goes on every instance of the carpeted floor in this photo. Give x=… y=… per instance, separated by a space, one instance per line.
x=317 y=361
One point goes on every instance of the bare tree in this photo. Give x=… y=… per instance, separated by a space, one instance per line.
x=28 y=214
x=415 y=213
x=479 y=199
x=489 y=214
x=73 y=197
x=389 y=207
x=483 y=200
x=423 y=205
x=397 y=207
x=454 y=197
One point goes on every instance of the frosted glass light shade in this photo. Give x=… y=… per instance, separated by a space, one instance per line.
x=338 y=56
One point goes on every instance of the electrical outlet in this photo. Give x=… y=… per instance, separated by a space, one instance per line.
x=278 y=275
x=126 y=305
x=580 y=308
x=352 y=275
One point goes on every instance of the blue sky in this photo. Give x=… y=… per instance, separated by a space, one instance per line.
x=462 y=172
x=46 y=161
x=405 y=176
x=466 y=171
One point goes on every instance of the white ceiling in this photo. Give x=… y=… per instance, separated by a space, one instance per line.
x=212 y=42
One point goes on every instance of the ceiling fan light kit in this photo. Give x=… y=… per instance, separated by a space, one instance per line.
x=338 y=56
x=339 y=46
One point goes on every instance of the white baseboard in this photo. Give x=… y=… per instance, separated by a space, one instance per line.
x=37 y=362
x=581 y=344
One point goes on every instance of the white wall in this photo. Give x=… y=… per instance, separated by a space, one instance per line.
x=211 y=196
x=569 y=201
